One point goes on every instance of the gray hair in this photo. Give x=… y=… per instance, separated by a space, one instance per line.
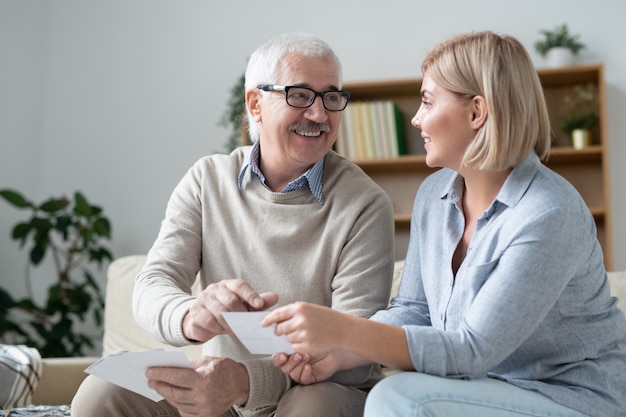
x=264 y=60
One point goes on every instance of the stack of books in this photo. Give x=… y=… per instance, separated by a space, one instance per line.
x=371 y=129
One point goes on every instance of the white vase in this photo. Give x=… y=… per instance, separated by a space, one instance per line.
x=559 y=56
x=581 y=138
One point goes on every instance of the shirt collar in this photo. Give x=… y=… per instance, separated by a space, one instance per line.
x=312 y=177
x=519 y=180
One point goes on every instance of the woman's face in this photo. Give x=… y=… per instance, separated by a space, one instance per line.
x=446 y=123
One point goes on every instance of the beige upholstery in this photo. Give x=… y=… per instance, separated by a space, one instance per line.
x=61 y=377
x=618 y=288
x=120 y=329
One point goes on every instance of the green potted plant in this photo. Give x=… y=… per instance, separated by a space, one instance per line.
x=72 y=232
x=233 y=116
x=558 y=46
x=580 y=114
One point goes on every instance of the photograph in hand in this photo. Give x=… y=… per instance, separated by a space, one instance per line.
x=259 y=340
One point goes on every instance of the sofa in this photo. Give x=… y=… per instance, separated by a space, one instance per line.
x=62 y=376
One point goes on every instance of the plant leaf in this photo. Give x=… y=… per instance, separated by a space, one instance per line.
x=82 y=207
x=20 y=231
x=6 y=301
x=60 y=329
x=53 y=205
x=38 y=252
x=63 y=224
x=102 y=227
x=15 y=198
x=97 y=317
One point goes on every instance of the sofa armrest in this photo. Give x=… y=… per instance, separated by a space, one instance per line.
x=60 y=379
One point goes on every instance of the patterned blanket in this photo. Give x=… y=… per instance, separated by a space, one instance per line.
x=42 y=411
x=20 y=370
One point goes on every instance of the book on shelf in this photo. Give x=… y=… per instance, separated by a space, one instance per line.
x=371 y=129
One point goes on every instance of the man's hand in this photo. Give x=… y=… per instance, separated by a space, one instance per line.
x=209 y=389
x=204 y=319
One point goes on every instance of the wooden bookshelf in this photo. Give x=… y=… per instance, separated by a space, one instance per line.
x=587 y=168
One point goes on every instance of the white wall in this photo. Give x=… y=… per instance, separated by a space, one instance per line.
x=117 y=98
x=23 y=27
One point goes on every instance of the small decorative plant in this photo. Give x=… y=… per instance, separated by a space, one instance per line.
x=234 y=113
x=559 y=37
x=72 y=233
x=580 y=109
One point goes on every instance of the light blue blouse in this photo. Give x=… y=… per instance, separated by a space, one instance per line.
x=531 y=302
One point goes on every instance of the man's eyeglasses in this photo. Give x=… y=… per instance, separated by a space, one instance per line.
x=303 y=97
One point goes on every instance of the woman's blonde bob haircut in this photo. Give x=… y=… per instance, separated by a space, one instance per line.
x=499 y=69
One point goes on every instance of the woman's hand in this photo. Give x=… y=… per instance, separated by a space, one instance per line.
x=311 y=329
x=334 y=341
x=302 y=370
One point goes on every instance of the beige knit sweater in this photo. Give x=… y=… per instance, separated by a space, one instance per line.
x=338 y=254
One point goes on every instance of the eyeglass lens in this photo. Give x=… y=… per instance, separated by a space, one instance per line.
x=304 y=97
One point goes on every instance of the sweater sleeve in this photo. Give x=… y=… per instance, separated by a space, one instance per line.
x=161 y=296
x=267 y=383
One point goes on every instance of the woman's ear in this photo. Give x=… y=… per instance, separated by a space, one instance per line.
x=479 y=112
x=253 y=104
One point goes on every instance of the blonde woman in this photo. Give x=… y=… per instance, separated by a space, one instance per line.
x=504 y=306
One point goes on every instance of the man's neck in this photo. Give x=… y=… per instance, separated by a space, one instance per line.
x=277 y=172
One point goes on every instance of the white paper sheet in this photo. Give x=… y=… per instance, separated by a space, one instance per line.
x=257 y=339
x=127 y=369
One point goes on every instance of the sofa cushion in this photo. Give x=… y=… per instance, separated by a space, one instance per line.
x=121 y=331
x=397 y=276
x=617 y=281
x=60 y=379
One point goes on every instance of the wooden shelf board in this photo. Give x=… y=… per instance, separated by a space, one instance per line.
x=553 y=77
x=417 y=163
x=568 y=155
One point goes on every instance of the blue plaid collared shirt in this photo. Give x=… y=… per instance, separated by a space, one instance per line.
x=312 y=177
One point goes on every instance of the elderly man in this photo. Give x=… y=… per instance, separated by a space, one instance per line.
x=283 y=220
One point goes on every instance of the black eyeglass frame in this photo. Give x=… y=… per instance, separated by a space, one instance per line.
x=316 y=94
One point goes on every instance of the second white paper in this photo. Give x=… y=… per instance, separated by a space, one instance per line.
x=257 y=339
